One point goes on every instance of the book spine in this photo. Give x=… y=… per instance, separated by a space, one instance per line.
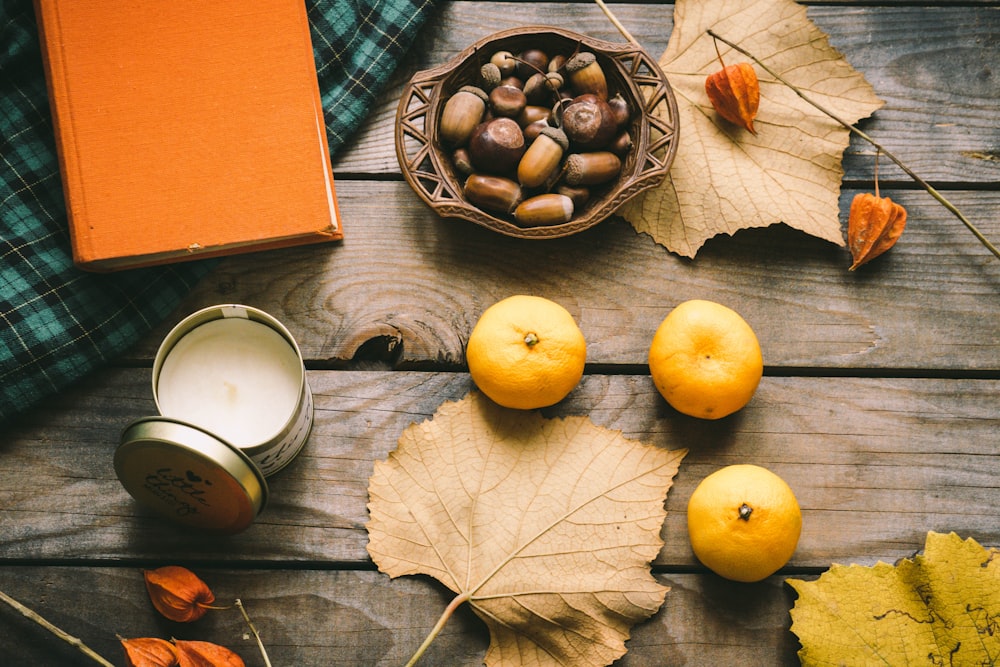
x=50 y=39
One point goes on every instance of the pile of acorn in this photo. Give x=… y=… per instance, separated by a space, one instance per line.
x=537 y=136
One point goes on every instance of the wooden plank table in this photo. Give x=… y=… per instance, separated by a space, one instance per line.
x=880 y=403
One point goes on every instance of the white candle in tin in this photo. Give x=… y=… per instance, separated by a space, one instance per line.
x=234 y=377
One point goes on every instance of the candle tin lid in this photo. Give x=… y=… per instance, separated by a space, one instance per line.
x=189 y=475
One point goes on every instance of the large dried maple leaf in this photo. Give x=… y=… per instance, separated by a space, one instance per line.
x=939 y=608
x=723 y=178
x=545 y=526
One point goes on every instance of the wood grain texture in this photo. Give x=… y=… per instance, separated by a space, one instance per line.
x=935 y=67
x=362 y=619
x=880 y=406
x=406 y=278
x=875 y=464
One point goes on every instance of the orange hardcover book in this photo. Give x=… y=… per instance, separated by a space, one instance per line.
x=186 y=129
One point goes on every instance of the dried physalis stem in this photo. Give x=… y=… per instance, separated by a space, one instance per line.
x=874 y=224
x=205 y=654
x=734 y=91
x=149 y=652
x=253 y=630
x=855 y=131
x=178 y=593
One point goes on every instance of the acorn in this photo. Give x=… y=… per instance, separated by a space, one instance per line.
x=589 y=122
x=505 y=62
x=533 y=113
x=512 y=81
x=586 y=76
x=494 y=193
x=543 y=157
x=496 y=146
x=591 y=168
x=533 y=129
x=461 y=114
x=619 y=109
x=460 y=158
x=531 y=61
x=554 y=81
x=578 y=193
x=621 y=144
x=536 y=88
x=506 y=100
x=543 y=210
x=490 y=76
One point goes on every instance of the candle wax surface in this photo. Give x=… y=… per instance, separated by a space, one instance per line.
x=236 y=378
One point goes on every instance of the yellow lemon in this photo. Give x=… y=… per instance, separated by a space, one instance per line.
x=743 y=522
x=526 y=352
x=705 y=359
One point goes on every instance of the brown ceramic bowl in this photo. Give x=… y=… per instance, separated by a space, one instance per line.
x=427 y=164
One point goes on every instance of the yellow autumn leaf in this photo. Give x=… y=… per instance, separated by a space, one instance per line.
x=724 y=178
x=546 y=527
x=939 y=608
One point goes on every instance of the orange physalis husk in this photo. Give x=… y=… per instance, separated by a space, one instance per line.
x=178 y=593
x=149 y=652
x=734 y=91
x=873 y=226
x=205 y=654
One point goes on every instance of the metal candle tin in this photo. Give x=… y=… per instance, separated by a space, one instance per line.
x=234 y=407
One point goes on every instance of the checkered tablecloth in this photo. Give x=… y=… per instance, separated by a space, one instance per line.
x=58 y=323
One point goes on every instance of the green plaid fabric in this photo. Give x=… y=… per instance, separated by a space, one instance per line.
x=58 y=323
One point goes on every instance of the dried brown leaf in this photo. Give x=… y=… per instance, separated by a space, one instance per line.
x=547 y=525
x=724 y=179
x=941 y=607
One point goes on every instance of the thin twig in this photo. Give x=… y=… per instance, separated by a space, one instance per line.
x=877 y=152
x=614 y=21
x=927 y=186
x=69 y=639
x=253 y=630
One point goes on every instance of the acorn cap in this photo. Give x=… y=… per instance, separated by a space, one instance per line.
x=557 y=135
x=586 y=75
x=490 y=75
x=579 y=61
x=475 y=90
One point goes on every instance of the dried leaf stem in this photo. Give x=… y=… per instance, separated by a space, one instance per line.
x=449 y=610
x=253 y=631
x=61 y=634
x=927 y=186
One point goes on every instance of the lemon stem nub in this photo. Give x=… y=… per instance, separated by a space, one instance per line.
x=530 y=339
x=745 y=512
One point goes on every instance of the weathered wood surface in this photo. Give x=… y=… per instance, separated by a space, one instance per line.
x=404 y=275
x=875 y=463
x=881 y=404
x=350 y=618
x=935 y=67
